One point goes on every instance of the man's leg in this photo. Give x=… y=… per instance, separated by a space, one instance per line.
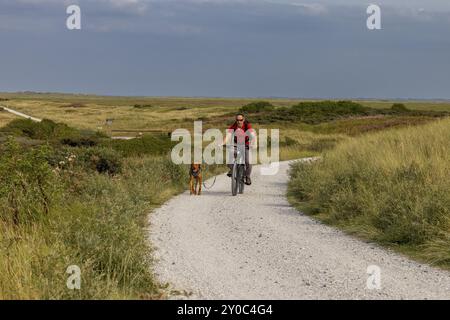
x=248 y=165
x=230 y=163
x=230 y=166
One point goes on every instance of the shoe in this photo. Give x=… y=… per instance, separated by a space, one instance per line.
x=248 y=181
x=230 y=173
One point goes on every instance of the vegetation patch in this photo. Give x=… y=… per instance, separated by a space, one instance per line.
x=143 y=106
x=392 y=187
x=65 y=203
x=325 y=111
x=257 y=107
x=74 y=106
x=151 y=144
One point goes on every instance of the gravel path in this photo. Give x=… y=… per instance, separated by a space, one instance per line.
x=256 y=246
x=20 y=114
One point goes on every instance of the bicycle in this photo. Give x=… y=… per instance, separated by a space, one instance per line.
x=238 y=171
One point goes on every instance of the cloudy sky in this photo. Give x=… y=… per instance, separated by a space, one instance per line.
x=230 y=48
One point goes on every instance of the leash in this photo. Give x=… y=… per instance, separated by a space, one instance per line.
x=212 y=185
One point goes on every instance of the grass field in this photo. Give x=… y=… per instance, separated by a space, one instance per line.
x=71 y=195
x=6 y=117
x=91 y=112
x=392 y=187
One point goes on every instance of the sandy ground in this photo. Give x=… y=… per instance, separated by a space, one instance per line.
x=256 y=246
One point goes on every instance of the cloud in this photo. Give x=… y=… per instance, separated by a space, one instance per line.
x=124 y=6
x=312 y=8
x=135 y=6
x=195 y=16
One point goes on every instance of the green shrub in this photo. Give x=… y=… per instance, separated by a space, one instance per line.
x=74 y=105
x=78 y=141
x=44 y=130
x=27 y=182
x=316 y=112
x=153 y=144
x=327 y=112
x=143 y=106
x=100 y=159
x=51 y=131
x=399 y=107
x=257 y=107
x=312 y=112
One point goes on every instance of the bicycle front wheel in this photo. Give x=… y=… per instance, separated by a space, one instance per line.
x=234 y=180
x=241 y=174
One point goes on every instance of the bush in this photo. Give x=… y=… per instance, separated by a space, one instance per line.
x=78 y=141
x=143 y=106
x=27 y=182
x=74 y=105
x=311 y=112
x=316 y=112
x=257 y=107
x=399 y=107
x=101 y=159
x=157 y=144
x=44 y=130
x=56 y=133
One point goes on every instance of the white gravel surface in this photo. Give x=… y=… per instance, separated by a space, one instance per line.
x=256 y=246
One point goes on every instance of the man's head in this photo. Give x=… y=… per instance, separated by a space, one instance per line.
x=240 y=119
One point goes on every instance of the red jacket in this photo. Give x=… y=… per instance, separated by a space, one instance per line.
x=240 y=134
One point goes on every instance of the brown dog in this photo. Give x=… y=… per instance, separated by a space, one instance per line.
x=195 y=182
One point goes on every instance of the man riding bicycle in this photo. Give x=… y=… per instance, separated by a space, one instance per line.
x=243 y=133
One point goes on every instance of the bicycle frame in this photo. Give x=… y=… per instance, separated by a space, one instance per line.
x=238 y=171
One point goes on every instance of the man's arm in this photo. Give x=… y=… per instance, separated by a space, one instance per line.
x=227 y=137
x=251 y=136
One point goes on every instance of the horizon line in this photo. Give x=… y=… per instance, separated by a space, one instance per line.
x=30 y=92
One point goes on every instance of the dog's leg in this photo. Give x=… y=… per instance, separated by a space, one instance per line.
x=195 y=185
x=191 y=184
x=200 y=179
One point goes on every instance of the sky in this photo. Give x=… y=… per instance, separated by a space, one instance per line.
x=228 y=48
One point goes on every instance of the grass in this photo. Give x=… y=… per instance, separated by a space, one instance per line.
x=84 y=206
x=391 y=187
x=163 y=113
x=6 y=117
x=359 y=125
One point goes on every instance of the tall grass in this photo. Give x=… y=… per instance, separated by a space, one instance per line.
x=63 y=206
x=392 y=187
x=97 y=224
